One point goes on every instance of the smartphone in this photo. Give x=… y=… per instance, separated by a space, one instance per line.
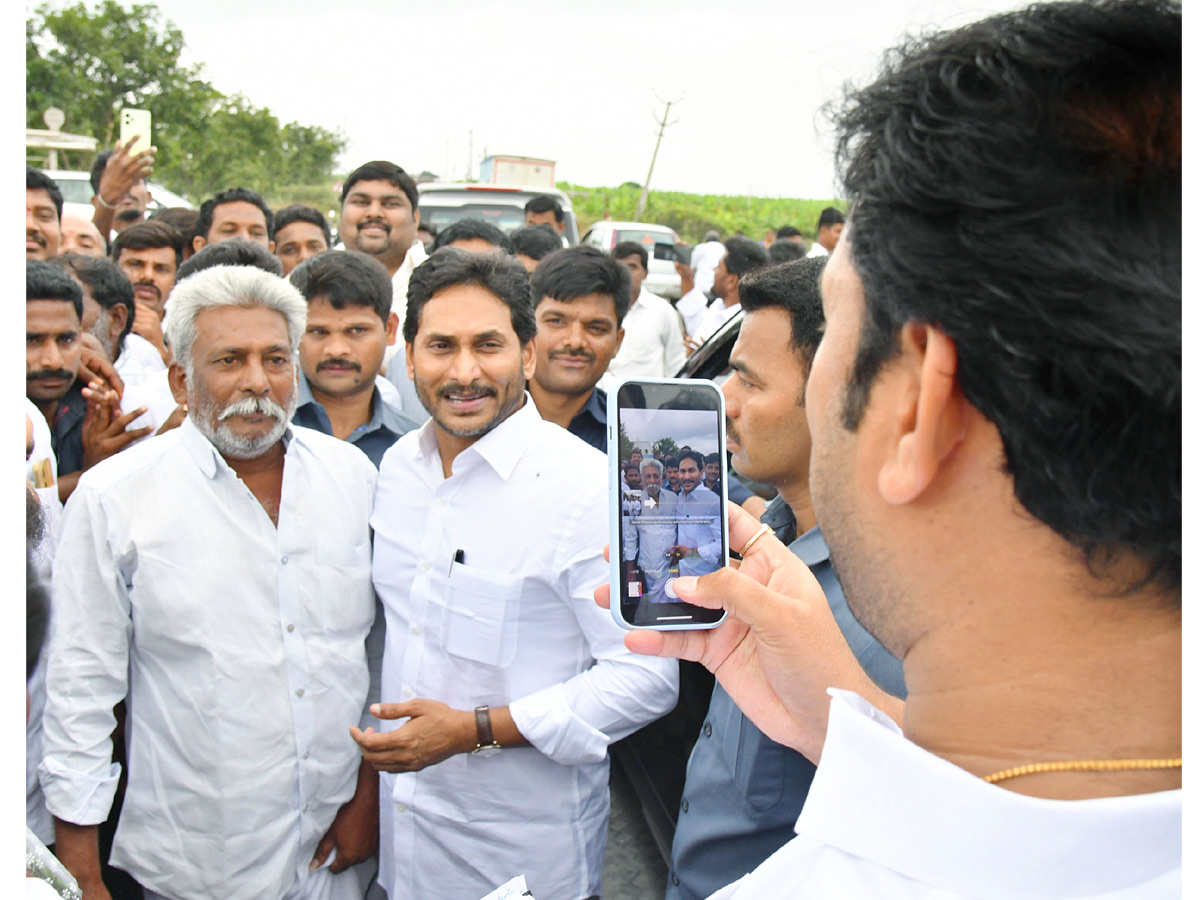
x=683 y=253
x=665 y=522
x=135 y=122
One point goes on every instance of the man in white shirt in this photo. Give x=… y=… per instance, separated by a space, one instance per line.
x=150 y=253
x=995 y=410
x=218 y=576
x=742 y=256
x=829 y=228
x=503 y=683
x=380 y=218
x=653 y=344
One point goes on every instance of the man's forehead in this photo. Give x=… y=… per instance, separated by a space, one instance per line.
x=378 y=188
x=444 y=312
x=321 y=310
x=51 y=314
x=38 y=197
x=238 y=209
x=299 y=231
x=153 y=254
x=590 y=306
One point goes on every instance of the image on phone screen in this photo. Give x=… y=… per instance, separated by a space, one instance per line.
x=671 y=496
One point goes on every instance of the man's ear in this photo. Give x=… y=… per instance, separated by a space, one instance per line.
x=177 y=378
x=117 y=317
x=198 y=242
x=529 y=357
x=391 y=326
x=408 y=361
x=931 y=412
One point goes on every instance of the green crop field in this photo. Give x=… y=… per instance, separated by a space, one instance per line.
x=693 y=214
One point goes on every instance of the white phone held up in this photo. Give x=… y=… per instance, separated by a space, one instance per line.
x=668 y=506
x=135 y=123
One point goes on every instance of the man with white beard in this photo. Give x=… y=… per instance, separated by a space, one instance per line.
x=219 y=578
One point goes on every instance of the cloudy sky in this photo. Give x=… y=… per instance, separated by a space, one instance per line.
x=433 y=85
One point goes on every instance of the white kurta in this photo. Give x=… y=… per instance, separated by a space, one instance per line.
x=241 y=646
x=514 y=623
x=885 y=818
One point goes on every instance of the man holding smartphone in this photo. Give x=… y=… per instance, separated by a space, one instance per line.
x=744 y=791
x=503 y=683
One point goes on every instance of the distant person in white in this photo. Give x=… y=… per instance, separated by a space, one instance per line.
x=829 y=229
x=653 y=344
x=218 y=578
x=504 y=683
x=996 y=469
x=742 y=256
x=696 y=280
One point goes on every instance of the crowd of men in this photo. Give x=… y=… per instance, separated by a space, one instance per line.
x=321 y=526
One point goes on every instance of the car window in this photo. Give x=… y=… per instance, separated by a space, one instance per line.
x=640 y=236
x=506 y=218
x=75 y=190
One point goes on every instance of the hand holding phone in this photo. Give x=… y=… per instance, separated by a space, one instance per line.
x=666 y=519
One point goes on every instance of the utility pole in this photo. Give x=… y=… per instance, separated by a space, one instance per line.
x=662 y=126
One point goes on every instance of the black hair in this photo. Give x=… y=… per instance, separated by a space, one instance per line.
x=830 y=215
x=345 y=278
x=794 y=287
x=626 y=249
x=150 y=235
x=501 y=276
x=181 y=219
x=36 y=179
x=694 y=455
x=37 y=615
x=233 y=195
x=1017 y=185
x=712 y=458
x=105 y=282
x=671 y=461
x=543 y=203
x=428 y=227
x=298 y=212
x=789 y=231
x=535 y=241
x=466 y=229
x=46 y=281
x=234 y=252
x=743 y=255
x=382 y=170
x=782 y=251
x=579 y=271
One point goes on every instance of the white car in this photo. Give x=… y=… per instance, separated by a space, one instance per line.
x=659 y=241
x=77 y=193
x=444 y=203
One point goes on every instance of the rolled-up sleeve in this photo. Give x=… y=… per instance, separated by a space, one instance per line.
x=87 y=665
x=575 y=721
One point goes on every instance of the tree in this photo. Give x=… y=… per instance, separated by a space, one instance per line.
x=90 y=62
x=664 y=447
x=624 y=444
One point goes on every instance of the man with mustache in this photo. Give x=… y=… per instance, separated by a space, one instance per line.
x=580 y=295
x=149 y=254
x=506 y=688
x=350 y=325
x=86 y=425
x=239 y=699
x=699 y=541
x=648 y=543
x=744 y=791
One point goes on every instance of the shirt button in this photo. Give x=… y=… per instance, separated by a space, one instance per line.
x=284 y=560
x=300 y=692
x=291 y=628
x=708 y=729
x=401 y=808
x=416 y=629
x=683 y=804
x=424 y=568
x=674 y=879
x=306 y=754
x=408 y=692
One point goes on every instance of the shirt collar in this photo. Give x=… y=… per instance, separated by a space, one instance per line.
x=385 y=406
x=501 y=448
x=881 y=797
x=596 y=407
x=207 y=457
x=811 y=547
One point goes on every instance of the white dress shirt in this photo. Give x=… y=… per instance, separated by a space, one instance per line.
x=514 y=623
x=699 y=514
x=653 y=344
x=705 y=259
x=886 y=818
x=691 y=307
x=138 y=360
x=415 y=256
x=154 y=393
x=714 y=317
x=816 y=250
x=241 y=647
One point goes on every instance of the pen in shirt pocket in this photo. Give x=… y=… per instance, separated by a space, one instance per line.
x=459 y=557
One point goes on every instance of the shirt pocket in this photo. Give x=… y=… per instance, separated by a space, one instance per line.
x=347 y=599
x=481 y=615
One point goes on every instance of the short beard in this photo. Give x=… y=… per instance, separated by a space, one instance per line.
x=229 y=444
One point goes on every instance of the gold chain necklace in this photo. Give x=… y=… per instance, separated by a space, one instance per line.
x=1085 y=765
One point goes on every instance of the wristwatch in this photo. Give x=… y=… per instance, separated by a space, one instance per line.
x=485 y=742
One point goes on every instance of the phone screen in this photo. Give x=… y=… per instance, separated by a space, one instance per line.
x=669 y=492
